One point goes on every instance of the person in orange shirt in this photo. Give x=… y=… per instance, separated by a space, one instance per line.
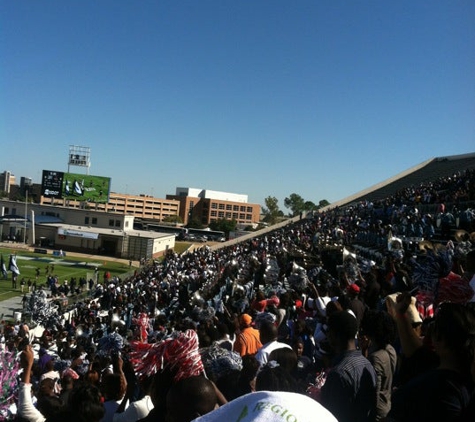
x=248 y=339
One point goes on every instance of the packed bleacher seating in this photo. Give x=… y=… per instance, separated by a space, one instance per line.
x=361 y=312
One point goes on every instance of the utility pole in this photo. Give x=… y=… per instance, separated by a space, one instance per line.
x=26 y=215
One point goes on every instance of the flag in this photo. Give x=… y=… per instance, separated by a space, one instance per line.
x=3 y=268
x=13 y=266
x=77 y=188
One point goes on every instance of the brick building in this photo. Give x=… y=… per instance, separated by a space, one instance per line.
x=206 y=206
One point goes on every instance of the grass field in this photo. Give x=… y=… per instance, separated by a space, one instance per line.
x=64 y=268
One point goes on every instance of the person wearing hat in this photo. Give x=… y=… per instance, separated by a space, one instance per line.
x=248 y=340
x=270 y=406
x=355 y=303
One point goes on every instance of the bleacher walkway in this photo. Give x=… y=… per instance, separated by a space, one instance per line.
x=8 y=307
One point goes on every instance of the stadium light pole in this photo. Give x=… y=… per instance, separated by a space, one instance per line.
x=26 y=216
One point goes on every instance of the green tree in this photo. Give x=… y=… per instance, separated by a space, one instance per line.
x=271 y=211
x=323 y=203
x=295 y=203
x=195 y=223
x=223 y=225
x=173 y=219
x=310 y=206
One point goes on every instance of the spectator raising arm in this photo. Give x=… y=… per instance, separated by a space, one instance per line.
x=26 y=409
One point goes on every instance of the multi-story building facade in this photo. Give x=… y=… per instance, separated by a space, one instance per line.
x=203 y=205
x=141 y=206
x=6 y=181
x=82 y=230
x=207 y=206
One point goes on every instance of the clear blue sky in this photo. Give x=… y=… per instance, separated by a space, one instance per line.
x=264 y=98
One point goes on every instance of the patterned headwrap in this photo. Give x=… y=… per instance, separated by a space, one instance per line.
x=179 y=352
x=219 y=361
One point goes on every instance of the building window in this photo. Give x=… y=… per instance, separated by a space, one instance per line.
x=228 y=215
x=249 y=209
x=248 y=216
x=86 y=220
x=214 y=213
x=242 y=216
x=229 y=207
x=94 y=220
x=214 y=205
x=221 y=214
x=111 y=223
x=243 y=209
x=117 y=223
x=235 y=215
x=221 y=206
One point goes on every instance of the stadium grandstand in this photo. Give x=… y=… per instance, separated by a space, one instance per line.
x=425 y=172
x=428 y=171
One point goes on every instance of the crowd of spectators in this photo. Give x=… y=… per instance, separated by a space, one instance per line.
x=358 y=313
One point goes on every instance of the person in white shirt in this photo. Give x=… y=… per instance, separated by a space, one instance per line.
x=268 y=334
x=138 y=409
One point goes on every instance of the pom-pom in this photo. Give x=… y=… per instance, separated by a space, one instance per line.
x=9 y=367
x=179 y=352
x=110 y=344
x=454 y=288
x=202 y=314
x=41 y=310
x=428 y=269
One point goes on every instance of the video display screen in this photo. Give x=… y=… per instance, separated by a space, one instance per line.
x=85 y=187
x=80 y=187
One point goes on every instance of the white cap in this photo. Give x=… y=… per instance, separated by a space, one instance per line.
x=270 y=406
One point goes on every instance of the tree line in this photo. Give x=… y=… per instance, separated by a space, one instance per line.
x=294 y=202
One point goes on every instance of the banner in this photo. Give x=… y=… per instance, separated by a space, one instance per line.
x=77 y=233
